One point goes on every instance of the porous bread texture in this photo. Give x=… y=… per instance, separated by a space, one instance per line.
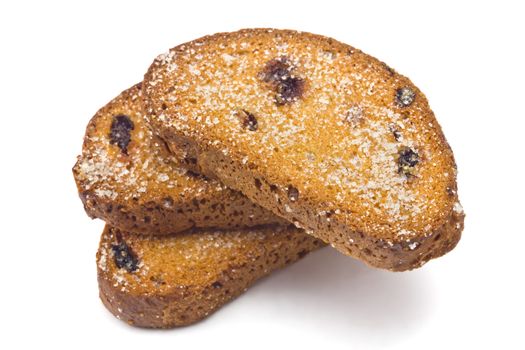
x=177 y=280
x=126 y=177
x=320 y=133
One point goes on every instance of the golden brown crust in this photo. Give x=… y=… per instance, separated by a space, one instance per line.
x=138 y=186
x=178 y=280
x=395 y=255
x=317 y=132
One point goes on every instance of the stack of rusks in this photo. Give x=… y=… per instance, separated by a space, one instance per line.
x=240 y=153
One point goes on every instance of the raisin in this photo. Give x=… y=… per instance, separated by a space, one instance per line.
x=248 y=120
x=121 y=127
x=277 y=70
x=279 y=73
x=124 y=257
x=293 y=194
x=407 y=160
x=216 y=285
x=405 y=96
x=289 y=90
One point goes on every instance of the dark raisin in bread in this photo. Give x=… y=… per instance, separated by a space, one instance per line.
x=318 y=132
x=127 y=177
x=175 y=280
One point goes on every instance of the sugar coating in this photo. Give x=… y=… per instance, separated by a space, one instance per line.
x=183 y=278
x=146 y=170
x=339 y=144
x=192 y=258
x=144 y=187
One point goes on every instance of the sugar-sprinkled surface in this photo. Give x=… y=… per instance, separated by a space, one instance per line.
x=147 y=169
x=136 y=180
x=179 y=279
x=193 y=258
x=338 y=144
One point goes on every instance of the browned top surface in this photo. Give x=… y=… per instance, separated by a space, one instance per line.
x=309 y=113
x=196 y=259
x=142 y=171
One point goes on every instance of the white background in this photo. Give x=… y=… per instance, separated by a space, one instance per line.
x=60 y=62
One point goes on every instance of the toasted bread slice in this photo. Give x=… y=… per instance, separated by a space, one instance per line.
x=126 y=177
x=176 y=280
x=320 y=133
